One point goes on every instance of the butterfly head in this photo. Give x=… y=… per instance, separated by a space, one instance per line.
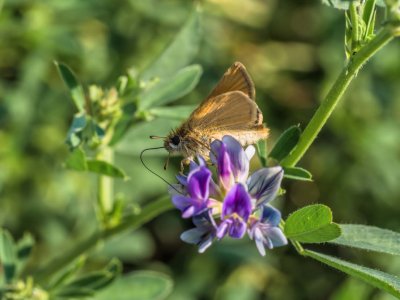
x=174 y=142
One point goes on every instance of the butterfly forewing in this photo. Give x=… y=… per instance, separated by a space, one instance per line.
x=235 y=78
x=232 y=113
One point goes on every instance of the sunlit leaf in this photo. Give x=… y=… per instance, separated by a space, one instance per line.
x=104 y=168
x=286 y=142
x=312 y=224
x=369 y=238
x=142 y=285
x=179 y=53
x=379 y=279
x=75 y=89
x=8 y=255
x=178 y=112
x=172 y=88
x=297 y=173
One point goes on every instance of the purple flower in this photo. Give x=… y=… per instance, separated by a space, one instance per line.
x=235 y=204
x=204 y=233
x=266 y=232
x=236 y=210
x=198 y=189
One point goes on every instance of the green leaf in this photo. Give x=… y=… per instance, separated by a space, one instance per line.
x=104 y=168
x=73 y=292
x=286 y=142
x=379 y=279
x=312 y=224
x=24 y=248
x=74 y=135
x=8 y=255
x=179 y=53
x=75 y=89
x=296 y=173
x=67 y=273
x=76 y=160
x=142 y=285
x=178 y=112
x=369 y=238
x=261 y=147
x=89 y=283
x=172 y=88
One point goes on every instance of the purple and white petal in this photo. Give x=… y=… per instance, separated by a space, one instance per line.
x=250 y=151
x=223 y=228
x=264 y=184
x=237 y=229
x=271 y=215
x=198 y=183
x=240 y=162
x=277 y=237
x=237 y=201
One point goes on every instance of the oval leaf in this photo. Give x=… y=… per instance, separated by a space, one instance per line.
x=296 y=173
x=169 y=89
x=312 y=224
x=381 y=280
x=75 y=89
x=179 y=112
x=104 y=168
x=369 y=238
x=179 y=53
x=142 y=285
x=286 y=142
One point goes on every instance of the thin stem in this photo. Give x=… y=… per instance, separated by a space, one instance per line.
x=354 y=25
x=105 y=185
x=151 y=211
x=336 y=92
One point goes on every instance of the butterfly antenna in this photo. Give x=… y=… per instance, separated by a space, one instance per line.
x=154 y=173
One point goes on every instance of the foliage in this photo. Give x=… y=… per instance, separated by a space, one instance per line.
x=106 y=125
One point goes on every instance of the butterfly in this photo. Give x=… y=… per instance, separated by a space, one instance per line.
x=230 y=109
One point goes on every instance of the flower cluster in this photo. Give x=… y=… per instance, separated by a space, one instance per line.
x=232 y=205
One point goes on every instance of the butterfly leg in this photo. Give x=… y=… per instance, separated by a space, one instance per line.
x=184 y=163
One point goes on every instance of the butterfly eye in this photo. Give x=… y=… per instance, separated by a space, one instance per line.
x=175 y=140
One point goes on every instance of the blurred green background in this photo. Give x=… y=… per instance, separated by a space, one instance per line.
x=293 y=50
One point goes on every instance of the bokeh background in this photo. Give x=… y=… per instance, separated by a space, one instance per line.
x=293 y=50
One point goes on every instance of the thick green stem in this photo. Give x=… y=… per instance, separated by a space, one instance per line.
x=336 y=92
x=151 y=211
x=105 y=185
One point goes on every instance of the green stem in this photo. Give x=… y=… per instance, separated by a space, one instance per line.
x=354 y=25
x=336 y=92
x=148 y=213
x=105 y=185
